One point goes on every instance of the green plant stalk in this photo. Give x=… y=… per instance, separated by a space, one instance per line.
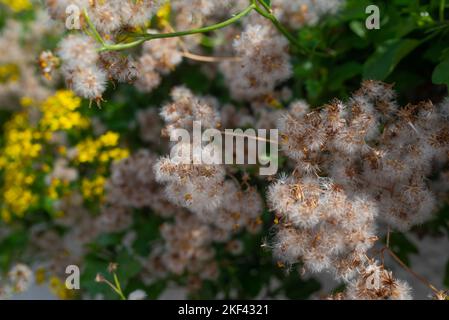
x=286 y=34
x=265 y=5
x=262 y=12
x=120 y=293
x=268 y=14
x=94 y=31
x=116 y=47
x=118 y=287
x=442 y=7
x=265 y=12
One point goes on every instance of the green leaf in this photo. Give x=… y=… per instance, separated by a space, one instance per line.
x=156 y=289
x=147 y=230
x=11 y=247
x=108 y=240
x=251 y=282
x=441 y=73
x=128 y=267
x=313 y=88
x=342 y=73
x=92 y=266
x=358 y=28
x=382 y=63
x=354 y=9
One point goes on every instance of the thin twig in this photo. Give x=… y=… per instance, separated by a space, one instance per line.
x=189 y=55
x=413 y=273
x=92 y=28
x=141 y=38
x=249 y=137
x=201 y=58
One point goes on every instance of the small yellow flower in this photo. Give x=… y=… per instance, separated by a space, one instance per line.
x=118 y=154
x=40 y=276
x=59 y=112
x=163 y=14
x=109 y=139
x=17 y=5
x=87 y=151
x=6 y=215
x=29 y=179
x=9 y=72
x=46 y=168
x=26 y=102
x=58 y=288
x=93 y=188
x=62 y=150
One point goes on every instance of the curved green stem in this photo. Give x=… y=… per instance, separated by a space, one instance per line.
x=259 y=6
x=92 y=28
x=148 y=37
x=118 y=287
x=268 y=14
x=121 y=46
x=265 y=5
x=265 y=13
x=282 y=29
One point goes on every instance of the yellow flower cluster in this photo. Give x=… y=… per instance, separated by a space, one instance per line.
x=163 y=15
x=9 y=73
x=22 y=145
x=17 y=5
x=104 y=149
x=101 y=151
x=93 y=189
x=21 y=139
x=28 y=147
x=54 y=190
x=55 y=284
x=59 y=112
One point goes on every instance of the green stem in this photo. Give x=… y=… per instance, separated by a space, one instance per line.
x=265 y=5
x=263 y=13
x=287 y=34
x=118 y=287
x=270 y=16
x=93 y=29
x=264 y=10
x=442 y=7
x=148 y=37
x=121 y=46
